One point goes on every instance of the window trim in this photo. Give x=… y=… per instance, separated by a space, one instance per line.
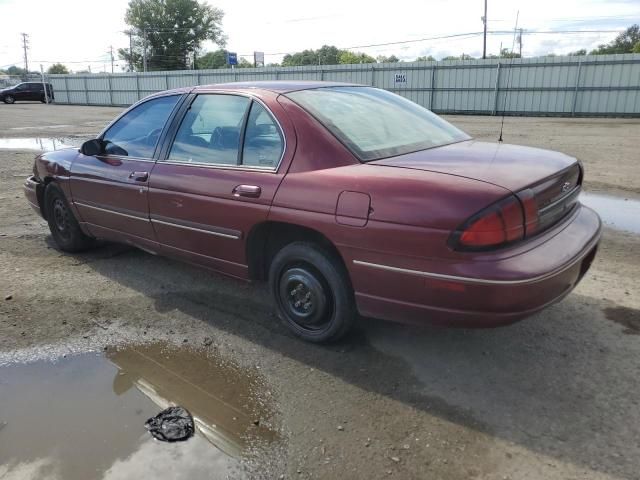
x=165 y=127
x=171 y=136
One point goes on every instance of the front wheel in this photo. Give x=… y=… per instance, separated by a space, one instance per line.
x=63 y=225
x=312 y=292
x=9 y=99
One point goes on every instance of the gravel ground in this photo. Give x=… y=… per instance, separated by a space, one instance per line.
x=555 y=396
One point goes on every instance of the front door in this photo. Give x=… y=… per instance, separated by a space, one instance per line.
x=21 y=92
x=218 y=180
x=110 y=191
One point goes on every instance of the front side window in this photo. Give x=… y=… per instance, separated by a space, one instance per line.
x=137 y=132
x=210 y=130
x=227 y=130
x=374 y=123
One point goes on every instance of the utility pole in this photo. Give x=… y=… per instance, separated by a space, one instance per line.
x=111 y=54
x=484 y=38
x=520 y=43
x=25 y=47
x=144 y=50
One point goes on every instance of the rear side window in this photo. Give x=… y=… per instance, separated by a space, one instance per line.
x=138 y=131
x=263 y=141
x=227 y=130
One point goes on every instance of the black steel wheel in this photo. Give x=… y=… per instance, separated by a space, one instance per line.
x=312 y=292
x=63 y=225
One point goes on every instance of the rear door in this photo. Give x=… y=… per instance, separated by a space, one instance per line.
x=111 y=190
x=217 y=179
x=36 y=91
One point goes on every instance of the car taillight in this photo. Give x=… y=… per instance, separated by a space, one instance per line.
x=530 y=206
x=495 y=226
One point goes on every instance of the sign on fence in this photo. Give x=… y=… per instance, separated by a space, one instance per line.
x=400 y=78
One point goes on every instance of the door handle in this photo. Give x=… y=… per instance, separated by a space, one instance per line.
x=251 y=191
x=139 y=176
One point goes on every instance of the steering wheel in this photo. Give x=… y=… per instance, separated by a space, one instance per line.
x=152 y=137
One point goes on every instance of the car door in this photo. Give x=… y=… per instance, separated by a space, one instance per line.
x=207 y=191
x=36 y=91
x=110 y=191
x=21 y=92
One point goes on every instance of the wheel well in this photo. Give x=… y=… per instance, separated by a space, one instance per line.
x=268 y=238
x=40 y=189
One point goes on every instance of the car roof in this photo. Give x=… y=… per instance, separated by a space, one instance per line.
x=277 y=86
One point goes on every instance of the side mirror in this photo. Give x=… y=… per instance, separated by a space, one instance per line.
x=91 y=148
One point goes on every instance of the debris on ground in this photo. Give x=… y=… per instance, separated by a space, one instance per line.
x=173 y=424
x=8 y=297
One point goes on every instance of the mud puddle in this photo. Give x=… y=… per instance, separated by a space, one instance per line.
x=83 y=416
x=615 y=212
x=44 y=144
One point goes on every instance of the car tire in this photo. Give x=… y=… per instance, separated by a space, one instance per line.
x=62 y=223
x=312 y=292
x=9 y=99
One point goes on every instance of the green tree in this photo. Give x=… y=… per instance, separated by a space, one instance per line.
x=173 y=29
x=578 y=53
x=636 y=49
x=57 y=68
x=623 y=43
x=425 y=59
x=464 y=56
x=391 y=59
x=216 y=59
x=244 y=63
x=13 y=70
x=347 y=57
x=505 y=53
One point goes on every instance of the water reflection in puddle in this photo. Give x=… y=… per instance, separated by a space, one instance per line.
x=83 y=416
x=616 y=212
x=44 y=144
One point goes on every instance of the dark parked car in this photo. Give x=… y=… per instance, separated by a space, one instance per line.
x=27 y=91
x=347 y=199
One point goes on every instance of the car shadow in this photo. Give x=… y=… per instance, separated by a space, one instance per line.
x=552 y=384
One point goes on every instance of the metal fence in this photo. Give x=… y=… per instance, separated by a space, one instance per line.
x=602 y=85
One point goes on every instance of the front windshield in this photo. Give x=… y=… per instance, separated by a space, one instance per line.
x=374 y=123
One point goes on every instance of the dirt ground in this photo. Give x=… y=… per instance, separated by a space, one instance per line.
x=556 y=396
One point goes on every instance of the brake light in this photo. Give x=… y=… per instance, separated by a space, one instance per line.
x=495 y=226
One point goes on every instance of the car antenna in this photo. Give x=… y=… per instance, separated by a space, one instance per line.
x=506 y=94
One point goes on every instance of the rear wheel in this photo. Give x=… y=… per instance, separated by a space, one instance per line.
x=9 y=99
x=312 y=292
x=63 y=225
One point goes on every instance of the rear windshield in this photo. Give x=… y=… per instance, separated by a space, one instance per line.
x=374 y=123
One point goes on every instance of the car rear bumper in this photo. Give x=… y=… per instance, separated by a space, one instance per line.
x=482 y=293
x=30 y=188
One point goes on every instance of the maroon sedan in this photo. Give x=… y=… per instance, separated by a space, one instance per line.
x=347 y=199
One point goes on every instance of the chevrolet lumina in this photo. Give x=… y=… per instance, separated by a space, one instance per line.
x=347 y=199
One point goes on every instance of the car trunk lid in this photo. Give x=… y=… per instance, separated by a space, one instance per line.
x=547 y=183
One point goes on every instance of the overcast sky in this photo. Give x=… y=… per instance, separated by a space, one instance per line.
x=79 y=32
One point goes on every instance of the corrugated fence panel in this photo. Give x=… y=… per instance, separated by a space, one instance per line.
x=586 y=85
